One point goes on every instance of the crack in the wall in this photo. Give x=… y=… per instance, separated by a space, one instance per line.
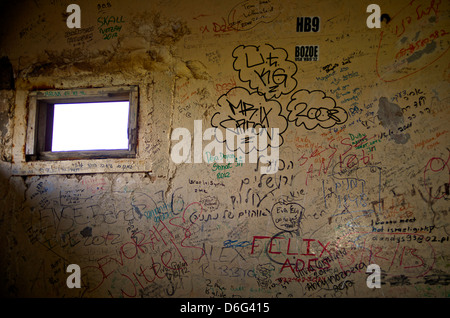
x=143 y=228
x=172 y=167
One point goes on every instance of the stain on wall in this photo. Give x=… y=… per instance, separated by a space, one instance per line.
x=391 y=116
x=362 y=174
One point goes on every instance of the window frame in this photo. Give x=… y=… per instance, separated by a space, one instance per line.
x=41 y=114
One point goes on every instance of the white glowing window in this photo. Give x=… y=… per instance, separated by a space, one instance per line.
x=82 y=124
x=90 y=126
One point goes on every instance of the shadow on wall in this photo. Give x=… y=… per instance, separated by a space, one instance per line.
x=6 y=74
x=9 y=197
x=8 y=190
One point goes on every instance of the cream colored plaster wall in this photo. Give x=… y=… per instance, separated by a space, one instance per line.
x=365 y=181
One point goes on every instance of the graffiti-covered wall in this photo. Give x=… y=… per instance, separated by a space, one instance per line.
x=283 y=147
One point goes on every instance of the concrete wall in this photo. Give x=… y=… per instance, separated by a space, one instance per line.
x=365 y=181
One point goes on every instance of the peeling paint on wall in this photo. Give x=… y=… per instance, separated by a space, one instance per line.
x=362 y=175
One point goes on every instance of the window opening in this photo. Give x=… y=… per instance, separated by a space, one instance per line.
x=82 y=124
x=90 y=126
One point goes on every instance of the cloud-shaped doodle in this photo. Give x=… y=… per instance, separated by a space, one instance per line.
x=313 y=109
x=241 y=111
x=266 y=69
